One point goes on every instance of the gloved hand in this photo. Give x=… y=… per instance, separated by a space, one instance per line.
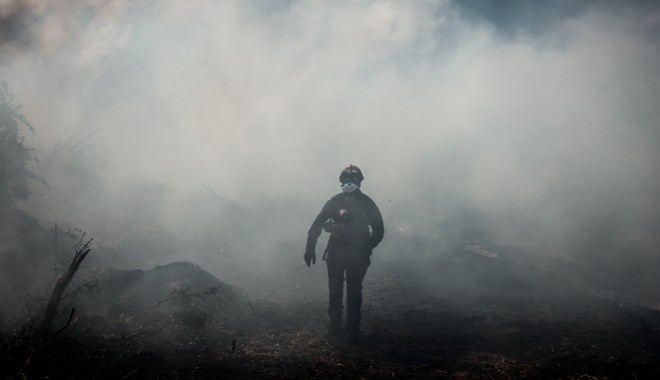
x=310 y=257
x=329 y=225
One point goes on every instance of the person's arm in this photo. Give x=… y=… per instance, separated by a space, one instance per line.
x=317 y=227
x=376 y=223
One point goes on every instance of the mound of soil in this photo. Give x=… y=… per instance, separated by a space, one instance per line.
x=169 y=298
x=126 y=288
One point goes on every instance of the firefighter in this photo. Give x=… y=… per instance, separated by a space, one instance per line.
x=356 y=227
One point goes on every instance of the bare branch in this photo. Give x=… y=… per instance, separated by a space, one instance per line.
x=82 y=250
x=68 y=322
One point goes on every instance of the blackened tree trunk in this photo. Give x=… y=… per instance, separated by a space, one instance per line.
x=82 y=250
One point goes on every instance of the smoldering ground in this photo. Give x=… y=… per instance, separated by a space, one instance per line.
x=521 y=137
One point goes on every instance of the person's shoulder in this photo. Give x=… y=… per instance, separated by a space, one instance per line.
x=367 y=199
x=338 y=196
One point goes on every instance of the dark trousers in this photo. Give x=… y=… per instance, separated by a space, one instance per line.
x=349 y=265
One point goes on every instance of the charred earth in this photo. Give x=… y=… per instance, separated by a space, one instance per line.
x=179 y=321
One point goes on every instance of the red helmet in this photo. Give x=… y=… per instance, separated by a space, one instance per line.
x=351 y=173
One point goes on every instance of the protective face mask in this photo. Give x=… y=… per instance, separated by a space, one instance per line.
x=349 y=187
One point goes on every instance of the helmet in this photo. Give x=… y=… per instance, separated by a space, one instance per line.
x=351 y=173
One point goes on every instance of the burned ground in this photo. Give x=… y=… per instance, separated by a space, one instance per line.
x=199 y=327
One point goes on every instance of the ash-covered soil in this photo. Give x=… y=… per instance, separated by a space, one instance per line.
x=201 y=328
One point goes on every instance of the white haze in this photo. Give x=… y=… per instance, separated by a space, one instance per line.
x=256 y=97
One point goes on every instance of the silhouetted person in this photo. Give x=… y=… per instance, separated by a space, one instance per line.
x=356 y=227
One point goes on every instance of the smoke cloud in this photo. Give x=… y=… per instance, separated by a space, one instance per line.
x=495 y=108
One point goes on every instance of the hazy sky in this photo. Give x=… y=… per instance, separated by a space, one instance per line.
x=516 y=105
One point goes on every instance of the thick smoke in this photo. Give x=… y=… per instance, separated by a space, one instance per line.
x=460 y=114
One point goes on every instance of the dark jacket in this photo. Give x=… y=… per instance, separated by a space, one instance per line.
x=353 y=228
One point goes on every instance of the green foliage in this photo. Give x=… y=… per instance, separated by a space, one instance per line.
x=15 y=156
